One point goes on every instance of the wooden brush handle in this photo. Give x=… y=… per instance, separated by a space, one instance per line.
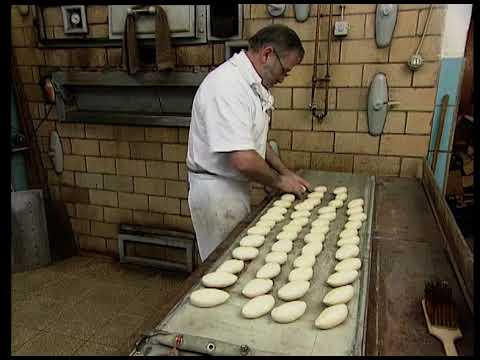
x=450 y=349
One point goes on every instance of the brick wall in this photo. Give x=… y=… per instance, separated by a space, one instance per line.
x=116 y=174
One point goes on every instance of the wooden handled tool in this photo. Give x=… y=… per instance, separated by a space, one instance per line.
x=443 y=112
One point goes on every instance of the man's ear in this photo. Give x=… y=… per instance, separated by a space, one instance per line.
x=265 y=53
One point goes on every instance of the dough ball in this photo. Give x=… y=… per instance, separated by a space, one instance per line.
x=283 y=246
x=320 y=229
x=218 y=279
x=313 y=201
x=292 y=227
x=336 y=203
x=304 y=261
x=312 y=248
x=359 y=216
x=257 y=287
x=319 y=222
x=339 y=190
x=258 y=306
x=252 y=240
x=299 y=221
x=231 y=266
x=245 y=253
x=282 y=203
x=349 y=240
x=342 y=197
x=355 y=202
x=354 y=224
x=287 y=235
x=293 y=290
x=320 y=188
x=332 y=316
x=304 y=206
x=278 y=257
x=315 y=195
x=301 y=273
x=289 y=311
x=208 y=297
x=349 y=264
x=268 y=271
x=266 y=223
x=326 y=209
x=258 y=230
x=341 y=278
x=348 y=233
x=272 y=216
x=329 y=216
x=276 y=210
x=339 y=295
x=354 y=210
x=347 y=251
x=300 y=213
x=314 y=237
x=288 y=197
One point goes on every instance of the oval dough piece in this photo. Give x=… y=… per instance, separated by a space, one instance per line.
x=232 y=266
x=283 y=246
x=341 y=278
x=354 y=224
x=355 y=210
x=339 y=190
x=300 y=213
x=287 y=235
x=313 y=201
x=342 y=197
x=349 y=264
x=326 y=209
x=293 y=290
x=355 y=202
x=320 y=188
x=299 y=221
x=219 y=279
x=349 y=240
x=314 y=237
x=332 y=316
x=313 y=248
x=347 y=251
x=329 y=216
x=304 y=206
x=268 y=271
x=278 y=257
x=282 y=203
x=267 y=223
x=208 y=297
x=292 y=227
x=289 y=311
x=258 y=306
x=276 y=210
x=252 y=240
x=315 y=195
x=348 y=232
x=301 y=273
x=318 y=222
x=274 y=217
x=258 y=230
x=288 y=197
x=336 y=203
x=257 y=287
x=320 y=229
x=339 y=295
x=304 y=261
x=359 y=216
x=245 y=253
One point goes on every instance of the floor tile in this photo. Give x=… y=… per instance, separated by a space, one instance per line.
x=91 y=348
x=50 y=344
x=21 y=335
x=120 y=331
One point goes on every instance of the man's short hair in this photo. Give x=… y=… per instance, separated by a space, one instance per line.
x=280 y=37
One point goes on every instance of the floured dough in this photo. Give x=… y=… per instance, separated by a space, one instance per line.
x=292 y=227
x=299 y=221
x=314 y=237
x=257 y=287
x=332 y=316
x=349 y=240
x=341 y=278
x=347 y=251
x=355 y=202
x=354 y=224
x=293 y=290
x=320 y=188
x=258 y=306
x=289 y=311
x=258 y=230
x=318 y=222
x=267 y=223
x=208 y=297
x=268 y=271
x=283 y=246
x=245 y=253
x=288 y=197
x=339 y=295
x=342 y=197
x=327 y=209
x=359 y=216
x=287 y=235
x=312 y=248
x=339 y=190
x=282 y=203
x=348 y=232
x=272 y=216
x=336 y=203
x=218 y=279
x=304 y=206
x=320 y=229
x=252 y=240
x=315 y=195
x=278 y=257
x=276 y=210
x=329 y=216
x=304 y=261
x=349 y=264
x=300 y=213
x=355 y=210
x=301 y=273
x=313 y=201
x=232 y=266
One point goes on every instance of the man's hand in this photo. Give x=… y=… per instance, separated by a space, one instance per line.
x=292 y=183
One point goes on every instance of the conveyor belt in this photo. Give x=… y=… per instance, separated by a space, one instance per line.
x=223 y=331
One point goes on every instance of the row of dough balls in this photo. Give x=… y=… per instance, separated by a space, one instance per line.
x=346 y=271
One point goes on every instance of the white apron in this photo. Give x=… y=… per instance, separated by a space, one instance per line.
x=217 y=204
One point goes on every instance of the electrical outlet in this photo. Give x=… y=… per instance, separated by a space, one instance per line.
x=341 y=28
x=74 y=19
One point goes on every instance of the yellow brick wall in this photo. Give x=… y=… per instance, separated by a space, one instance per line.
x=125 y=174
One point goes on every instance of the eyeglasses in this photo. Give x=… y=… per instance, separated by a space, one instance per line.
x=284 y=73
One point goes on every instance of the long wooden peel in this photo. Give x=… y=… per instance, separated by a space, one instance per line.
x=443 y=112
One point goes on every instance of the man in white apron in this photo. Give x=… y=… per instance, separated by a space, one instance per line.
x=227 y=144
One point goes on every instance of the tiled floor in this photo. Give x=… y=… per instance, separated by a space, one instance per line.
x=87 y=306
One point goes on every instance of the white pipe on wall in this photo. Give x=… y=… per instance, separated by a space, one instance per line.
x=457 y=21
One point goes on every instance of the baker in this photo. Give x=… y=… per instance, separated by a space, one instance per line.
x=227 y=143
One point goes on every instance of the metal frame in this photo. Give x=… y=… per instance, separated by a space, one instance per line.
x=65 y=13
x=240 y=26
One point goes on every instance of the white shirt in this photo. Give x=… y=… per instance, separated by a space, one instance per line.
x=229 y=113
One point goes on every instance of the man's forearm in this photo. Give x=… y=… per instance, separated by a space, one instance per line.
x=274 y=161
x=251 y=165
